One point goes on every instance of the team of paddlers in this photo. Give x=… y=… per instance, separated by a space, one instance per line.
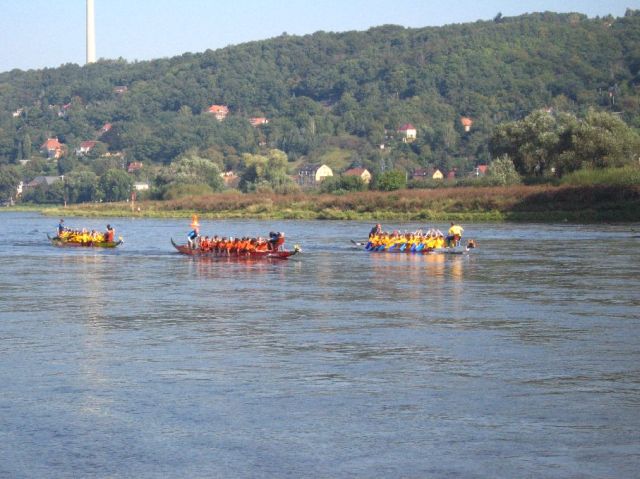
x=413 y=242
x=229 y=246
x=84 y=236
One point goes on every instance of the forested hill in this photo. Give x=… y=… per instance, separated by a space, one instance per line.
x=335 y=96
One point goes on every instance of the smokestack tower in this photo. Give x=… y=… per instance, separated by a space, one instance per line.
x=91 y=33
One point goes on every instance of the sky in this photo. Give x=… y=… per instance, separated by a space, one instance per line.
x=38 y=34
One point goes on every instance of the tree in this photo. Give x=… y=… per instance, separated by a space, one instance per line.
x=391 y=180
x=9 y=180
x=81 y=186
x=115 y=185
x=502 y=172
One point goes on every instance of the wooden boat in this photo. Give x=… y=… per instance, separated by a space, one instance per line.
x=278 y=254
x=57 y=241
x=460 y=249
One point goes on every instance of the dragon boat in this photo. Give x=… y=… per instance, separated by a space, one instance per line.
x=241 y=255
x=61 y=242
x=419 y=249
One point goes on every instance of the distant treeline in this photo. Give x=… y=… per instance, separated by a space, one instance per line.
x=330 y=97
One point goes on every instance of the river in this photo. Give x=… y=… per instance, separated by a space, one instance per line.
x=520 y=360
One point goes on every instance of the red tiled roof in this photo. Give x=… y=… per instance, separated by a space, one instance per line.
x=51 y=144
x=88 y=144
x=407 y=126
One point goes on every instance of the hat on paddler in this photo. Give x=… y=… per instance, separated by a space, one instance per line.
x=194 y=221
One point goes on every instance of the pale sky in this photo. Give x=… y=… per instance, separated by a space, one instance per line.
x=47 y=33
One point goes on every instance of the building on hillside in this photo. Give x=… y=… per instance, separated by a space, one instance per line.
x=408 y=132
x=452 y=174
x=427 y=174
x=220 y=112
x=17 y=113
x=120 y=89
x=134 y=166
x=466 y=123
x=481 y=170
x=42 y=180
x=362 y=173
x=52 y=148
x=258 y=120
x=85 y=147
x=311 y=175
x=230 y=178
x=141 y=186
x=105 y=128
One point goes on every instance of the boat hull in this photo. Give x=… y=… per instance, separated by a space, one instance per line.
x=186 y=250
x=56 y=241
x=448 y=250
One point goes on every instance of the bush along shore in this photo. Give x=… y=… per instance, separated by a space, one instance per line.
x=599 y=203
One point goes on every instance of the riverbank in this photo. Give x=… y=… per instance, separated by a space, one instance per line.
x=520 y=203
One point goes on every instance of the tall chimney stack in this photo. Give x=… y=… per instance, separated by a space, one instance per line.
x=91 y=33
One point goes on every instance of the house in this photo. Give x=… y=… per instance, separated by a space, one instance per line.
x=362 y=173
x=230 y=178
x=220 y=112
x=85 y=147
x=120 y=89
x=481 y=170
x=52 y=148
x=134 y=166
x=42 y=180
x=311 y=175
x=258 y=120
x=451 y=175
x=466 y=123
x=141 y=186
x=105 y=128
x=426 y=174
x=408 y=132
x=17 y=113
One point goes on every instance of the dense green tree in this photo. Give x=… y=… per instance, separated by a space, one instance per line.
x=9 y=180
x=390 y=180
x=115 y=185
x=81 y=186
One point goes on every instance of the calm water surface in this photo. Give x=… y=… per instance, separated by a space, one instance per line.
x=522 y=360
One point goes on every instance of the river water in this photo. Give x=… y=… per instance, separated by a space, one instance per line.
x=520 y=360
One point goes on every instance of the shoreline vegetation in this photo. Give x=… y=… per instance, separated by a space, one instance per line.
x=537 y=203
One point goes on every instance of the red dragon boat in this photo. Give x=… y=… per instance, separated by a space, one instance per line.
x=250 y=255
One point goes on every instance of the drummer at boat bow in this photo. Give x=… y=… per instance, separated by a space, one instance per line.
x=455 y=234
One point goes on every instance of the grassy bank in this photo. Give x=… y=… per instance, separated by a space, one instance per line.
x=521 y=203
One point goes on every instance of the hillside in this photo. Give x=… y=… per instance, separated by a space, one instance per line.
x=333 y=96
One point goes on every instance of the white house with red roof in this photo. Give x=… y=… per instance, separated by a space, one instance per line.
x=220 y=112
x=408 y=132
x=258 y=120
x=105 y=128
x=85 y=147
x=52 y=148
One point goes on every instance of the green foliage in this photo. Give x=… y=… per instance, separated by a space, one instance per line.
x=625 y=176
x=115 y=185
x=9 y=180
x=266 y=173
x=342 y=184
x=390 y=180
x=502 y=172
x=81 y=186
x=543 y=143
